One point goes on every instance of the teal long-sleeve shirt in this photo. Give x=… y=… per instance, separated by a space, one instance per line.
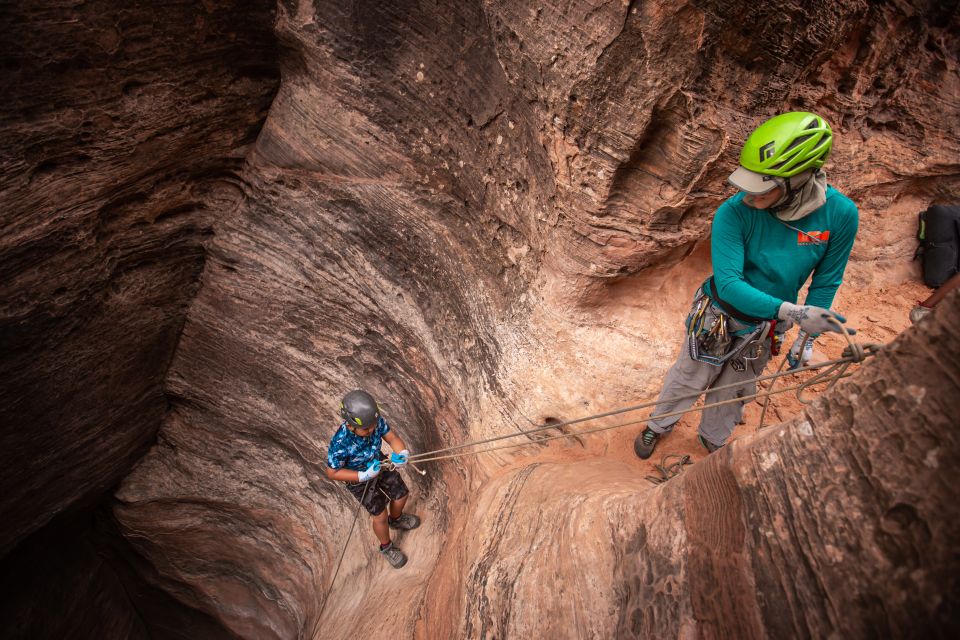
x=759 y=262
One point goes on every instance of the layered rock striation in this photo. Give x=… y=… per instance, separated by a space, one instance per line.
x=124 y=126
x=839 y=521
x=487 y=214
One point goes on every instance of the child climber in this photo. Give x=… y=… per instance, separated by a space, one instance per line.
x=354 y=457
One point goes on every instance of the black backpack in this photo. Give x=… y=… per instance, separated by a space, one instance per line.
x=939 y=237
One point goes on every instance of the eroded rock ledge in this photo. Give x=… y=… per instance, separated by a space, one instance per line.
x=484 y=212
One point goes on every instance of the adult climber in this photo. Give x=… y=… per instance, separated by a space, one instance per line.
x=785 y=224
x=354 y=457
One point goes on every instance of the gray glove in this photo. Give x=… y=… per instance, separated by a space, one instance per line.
x=812 y=320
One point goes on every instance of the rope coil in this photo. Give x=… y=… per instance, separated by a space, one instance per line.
x=671 y=470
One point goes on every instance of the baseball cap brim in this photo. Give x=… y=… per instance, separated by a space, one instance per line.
x=752 y=182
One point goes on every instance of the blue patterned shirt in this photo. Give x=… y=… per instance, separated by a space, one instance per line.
x=350 y=451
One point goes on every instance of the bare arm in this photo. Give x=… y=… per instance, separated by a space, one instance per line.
x=344 y=475
x=394 y=441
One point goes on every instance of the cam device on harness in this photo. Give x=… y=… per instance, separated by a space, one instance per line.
x=711 y=338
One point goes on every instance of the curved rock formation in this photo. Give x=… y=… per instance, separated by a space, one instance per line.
x=124 y=125
x=839 y=521
x=121 y=133
x=486 y=213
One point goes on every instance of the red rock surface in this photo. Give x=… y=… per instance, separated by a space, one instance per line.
x=493 y=213
x=123 y=126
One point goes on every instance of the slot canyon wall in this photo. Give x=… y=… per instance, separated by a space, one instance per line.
x=124 y=126
x=487 y=214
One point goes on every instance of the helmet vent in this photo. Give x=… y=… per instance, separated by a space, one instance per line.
x=798 y=141
x=814 y=124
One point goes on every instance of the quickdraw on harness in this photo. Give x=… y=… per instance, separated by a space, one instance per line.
x=714 y=345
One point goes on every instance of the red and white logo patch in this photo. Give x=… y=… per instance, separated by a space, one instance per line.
x=812 y=237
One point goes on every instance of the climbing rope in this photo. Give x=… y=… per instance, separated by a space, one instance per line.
x=671 y=470
x=795 y=387
x=835 y=373
x=835 y=370
x=336 y=572
x=854 y=352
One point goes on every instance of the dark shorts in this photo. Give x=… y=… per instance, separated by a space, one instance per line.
x=384 y=488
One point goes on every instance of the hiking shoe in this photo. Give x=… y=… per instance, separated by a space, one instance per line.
x=709 y=446
x=394 y=556
x=645 y=442
x=406 y=521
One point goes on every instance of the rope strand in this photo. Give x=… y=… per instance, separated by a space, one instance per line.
x=343 y=552
x=422 y=457
x=853 y=353
x=618 y=425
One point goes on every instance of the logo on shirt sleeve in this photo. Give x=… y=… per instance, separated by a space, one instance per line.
x=812 y=237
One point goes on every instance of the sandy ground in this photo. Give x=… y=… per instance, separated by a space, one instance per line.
x=878 y=314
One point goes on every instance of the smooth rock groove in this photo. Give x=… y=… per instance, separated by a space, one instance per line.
x=485 y=213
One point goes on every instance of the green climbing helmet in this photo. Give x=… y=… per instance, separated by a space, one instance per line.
x=782 y=147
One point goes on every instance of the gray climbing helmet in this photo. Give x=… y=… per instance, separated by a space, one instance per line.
x=359 y=409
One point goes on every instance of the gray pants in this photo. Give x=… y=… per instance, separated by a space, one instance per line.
x=690 y=376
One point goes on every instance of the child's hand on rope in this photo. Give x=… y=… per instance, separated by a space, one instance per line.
x=400 y=459
x=371 y=472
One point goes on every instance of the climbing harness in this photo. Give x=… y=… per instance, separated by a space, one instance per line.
x=753 y=348
x=671 y=470
x=716 y=344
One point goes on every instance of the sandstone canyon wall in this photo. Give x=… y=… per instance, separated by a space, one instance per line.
x=124 y=124
x=486 y=213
